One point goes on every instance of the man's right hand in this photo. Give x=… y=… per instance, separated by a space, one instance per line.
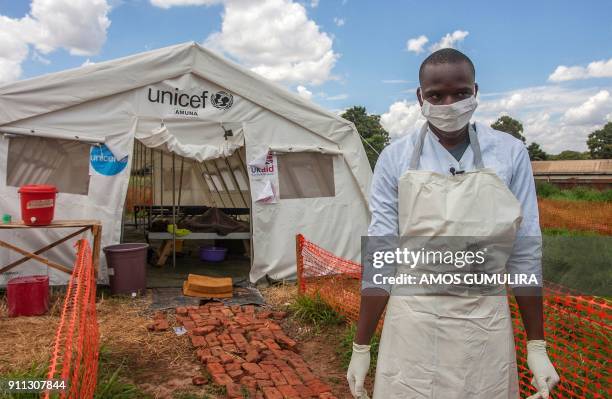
x=358 y=369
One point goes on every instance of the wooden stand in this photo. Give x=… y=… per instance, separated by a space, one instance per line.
x=94 y=225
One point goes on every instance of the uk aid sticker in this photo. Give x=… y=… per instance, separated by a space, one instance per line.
x=102 y=160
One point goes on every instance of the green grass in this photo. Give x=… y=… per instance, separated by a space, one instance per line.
x=549 y=190
x=346 y=348
x=552 y=231
x=314 y=311
x=34 y=372
x=111 y=381
x=578 y=260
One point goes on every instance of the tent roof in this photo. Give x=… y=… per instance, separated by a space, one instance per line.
x=587 y=166
x=75 y=86
x=30 y=98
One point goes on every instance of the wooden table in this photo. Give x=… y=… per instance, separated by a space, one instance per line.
x=95 y=226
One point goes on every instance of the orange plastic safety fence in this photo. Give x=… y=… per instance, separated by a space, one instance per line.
x=578 y=328
x=576 y=215
x=75 y=353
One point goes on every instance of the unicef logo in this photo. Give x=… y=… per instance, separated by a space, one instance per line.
x=104 y=162
x=222 y=100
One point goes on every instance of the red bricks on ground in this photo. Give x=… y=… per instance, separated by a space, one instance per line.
x=304 y=391
x=233 y=390
x=272 y=393
x=198 y=341
x=215 y=368
x=288 y=392
x=251 y=368
x=278 y=379
x=247 y=350
x=318 y=387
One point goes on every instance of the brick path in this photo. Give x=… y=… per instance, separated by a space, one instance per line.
x=248 y=353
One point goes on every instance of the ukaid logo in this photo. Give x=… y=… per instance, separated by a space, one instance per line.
x=104 y=162
x=268 y=168
x=189 y=104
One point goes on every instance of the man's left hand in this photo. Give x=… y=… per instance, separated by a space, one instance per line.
x=545 y=376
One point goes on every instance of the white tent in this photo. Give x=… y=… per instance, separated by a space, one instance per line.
x=308 y=171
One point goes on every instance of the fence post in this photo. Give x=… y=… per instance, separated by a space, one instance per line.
x=299 y=260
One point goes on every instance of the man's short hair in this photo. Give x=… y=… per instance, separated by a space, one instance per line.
x=446 y=56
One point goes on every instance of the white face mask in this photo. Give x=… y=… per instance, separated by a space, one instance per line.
x=452 y=117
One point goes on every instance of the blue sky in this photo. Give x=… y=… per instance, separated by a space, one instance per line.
x=343 y=53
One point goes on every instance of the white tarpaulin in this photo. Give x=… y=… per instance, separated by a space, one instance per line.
x=191 y=102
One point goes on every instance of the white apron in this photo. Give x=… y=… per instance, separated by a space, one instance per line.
x=451 y=347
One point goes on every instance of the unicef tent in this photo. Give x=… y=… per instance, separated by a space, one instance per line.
x=307 y=171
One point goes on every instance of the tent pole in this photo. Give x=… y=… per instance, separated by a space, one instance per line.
x=143 y=161
x=229 y=195
x=246 y=176
x=231 y=172
x=214 y=184
x=152 y=183
x=181 y=183
x=205 y=183
x=161 y=182
x=173 y=217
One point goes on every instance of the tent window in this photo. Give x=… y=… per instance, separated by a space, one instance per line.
x=209 y=182
x=39 y=160
x=244 y=186
x=306 y=175
x=217 y=183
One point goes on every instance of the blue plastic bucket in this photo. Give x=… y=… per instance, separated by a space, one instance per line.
x=212 y=254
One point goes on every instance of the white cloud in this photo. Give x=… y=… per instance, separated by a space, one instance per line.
x=450 y=40
x=291 y=49
x=339 y=21
x=416 y=44
x=77 y=26
x=394 y=81
x=556 y=117
x=596 y=69
x=401 y=118
x=179 y=3
x=337 y=97
x=593 y=110
x=314 y=3
x=304 y=92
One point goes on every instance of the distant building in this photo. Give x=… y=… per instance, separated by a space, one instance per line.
x=596 y=173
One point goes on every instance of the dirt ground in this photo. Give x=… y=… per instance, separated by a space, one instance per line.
x=160 y=364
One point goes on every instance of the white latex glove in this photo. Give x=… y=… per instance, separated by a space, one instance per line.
x=545 y=376
x=358 y=369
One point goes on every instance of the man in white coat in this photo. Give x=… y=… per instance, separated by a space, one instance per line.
x=454 y=178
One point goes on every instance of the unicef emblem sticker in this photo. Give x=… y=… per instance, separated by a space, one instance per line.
x=104 y=162
x=222 y=100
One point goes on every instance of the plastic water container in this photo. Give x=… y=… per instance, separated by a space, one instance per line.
x=28 y=296
x=127 y=268
x=37 y=204
x=212 y=254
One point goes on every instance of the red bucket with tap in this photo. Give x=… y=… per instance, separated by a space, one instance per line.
x=37 y=204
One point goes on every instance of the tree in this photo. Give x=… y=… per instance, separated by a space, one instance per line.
x=600 y=142
x=569 y=155
x=509 y=125
x=372 y=133
x=536 y=153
